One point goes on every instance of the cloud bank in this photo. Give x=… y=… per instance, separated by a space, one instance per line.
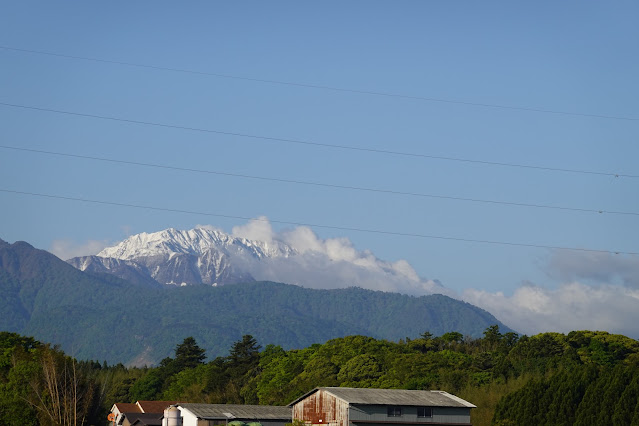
x=573 y=306
x=600 y=291
x=330 y=263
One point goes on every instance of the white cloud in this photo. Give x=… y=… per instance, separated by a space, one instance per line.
x=257 y=229
x=572 y=306
x=331 y=263
x=66 y=249
x=303 y=239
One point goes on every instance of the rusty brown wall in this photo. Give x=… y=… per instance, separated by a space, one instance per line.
x=322 y=408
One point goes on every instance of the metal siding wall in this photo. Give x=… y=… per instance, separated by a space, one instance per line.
x=342 y=412
x=451 y=415
x=379 y=413
x=371 y=413
x=322 y=406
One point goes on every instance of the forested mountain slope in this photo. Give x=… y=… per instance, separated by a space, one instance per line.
x=99 y=316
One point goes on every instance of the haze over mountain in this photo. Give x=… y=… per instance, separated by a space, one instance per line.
x=206 y=255
x=100 y=316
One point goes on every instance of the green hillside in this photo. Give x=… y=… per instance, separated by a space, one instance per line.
x=106 y=318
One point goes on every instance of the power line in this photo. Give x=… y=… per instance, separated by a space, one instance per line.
x=317 y=184
x=331 y=88
x=319 y=144
x=312 y=225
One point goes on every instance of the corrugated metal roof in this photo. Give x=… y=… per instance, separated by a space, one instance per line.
x=239 y=412
x=367 y=396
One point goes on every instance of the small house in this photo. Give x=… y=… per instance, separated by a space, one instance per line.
x=142 y=413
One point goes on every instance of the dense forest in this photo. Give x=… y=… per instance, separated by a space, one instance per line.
x=582 y=378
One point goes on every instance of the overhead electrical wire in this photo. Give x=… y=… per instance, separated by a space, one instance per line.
x=318 y=144
x=313 y=225
x=317 y=184
x=330 y=88
x=324 y=145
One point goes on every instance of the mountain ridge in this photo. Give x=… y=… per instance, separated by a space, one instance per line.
x=206 y=255
x=193 y=241
x=175 y=257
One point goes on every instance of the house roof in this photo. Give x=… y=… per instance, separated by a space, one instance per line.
x=145 y=419
x=154 y=406
x=239 y=412
x=125 y=407
x=366 y=396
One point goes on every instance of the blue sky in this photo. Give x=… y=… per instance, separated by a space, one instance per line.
x=574 y=57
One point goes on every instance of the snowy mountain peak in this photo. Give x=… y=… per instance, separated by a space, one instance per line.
x=202 y=255
x=207 y=255
x=198 y=242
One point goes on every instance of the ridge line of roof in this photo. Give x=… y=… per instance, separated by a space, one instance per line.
x=456 y=398
x=339 y=393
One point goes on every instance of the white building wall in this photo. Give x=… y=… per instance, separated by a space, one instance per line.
x=188 y=418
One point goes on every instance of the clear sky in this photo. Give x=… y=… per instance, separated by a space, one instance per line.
x=545 y=84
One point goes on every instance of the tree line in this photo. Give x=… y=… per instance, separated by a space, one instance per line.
x=582 y=377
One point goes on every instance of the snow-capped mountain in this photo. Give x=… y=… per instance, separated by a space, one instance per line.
x=196 y=256
x=254 y=252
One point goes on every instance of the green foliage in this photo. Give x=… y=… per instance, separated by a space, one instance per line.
x=452 y=336
x=18 y=367
x=361 y=370
x=41 y=385
x=583 y=395
x=148 y=387
x=279 y=369
x=583 y=378
x=173 y=376
x=492 y=336
x=188 y=385
x=600 y=347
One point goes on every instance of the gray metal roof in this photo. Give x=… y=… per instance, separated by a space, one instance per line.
x=146 y=419
x=367 y=396
x=239 y=412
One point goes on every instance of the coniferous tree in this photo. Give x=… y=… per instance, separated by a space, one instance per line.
x=245 y=353
x=615 y=387
x=188 y=354
x=588 y=409
x=624 y=409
